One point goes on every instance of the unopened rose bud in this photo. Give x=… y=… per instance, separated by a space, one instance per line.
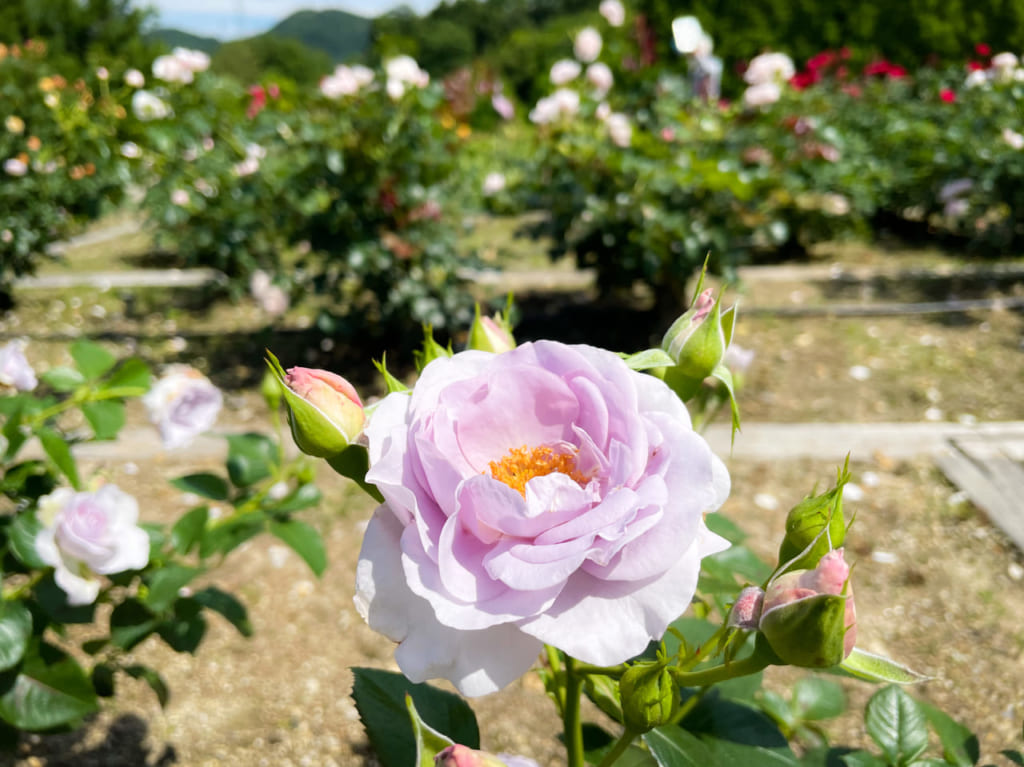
x=746 y=610
x=325 y=411
x=697 y=341
x=491 y=334
x=649 y=696
x=814 y=527
x=464 y=756
x=808 y=616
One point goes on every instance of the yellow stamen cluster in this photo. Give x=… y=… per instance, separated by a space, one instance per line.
x=524 y=463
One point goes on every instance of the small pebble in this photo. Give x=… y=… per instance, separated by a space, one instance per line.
x=967 y=419
x=1015 y=571
x=853 y=492
x=884 y=557
x=933 y=414
x=860 y=372
x=766 y=501
x=870 y=479
x=278 y=556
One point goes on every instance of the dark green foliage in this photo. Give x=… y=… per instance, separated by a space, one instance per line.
x=269 y=56
x=175 y=38
x=342 y=36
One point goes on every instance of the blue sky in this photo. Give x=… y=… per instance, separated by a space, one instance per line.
x=229 y=19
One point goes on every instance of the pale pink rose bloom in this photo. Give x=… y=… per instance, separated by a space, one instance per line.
x=603 y=111
x=561 y=103
x=15 y=167
x=565 y=71
x=955 y=188
x=686 y=34
x=364 y=75
x=14 y=368
x=180 y=198
x=587 y=45
x=600 y=76
x=565 y=510
x=503 y=106
x=493 y=183
x=182 y=404
x=134 y=78
x=1013 y=139
x=769 y=68
x=196 y=61
x=274 y=301
x=762 y=94
x=346 y=81
x=402 y=71
x=148 y=106
x=172 y=69
x=130 y=150
x=102 y=73
x=6 y=236
x=1004 y=63
x=89 y=534
x=619 y=129
x=613 y=12
x=977 y=78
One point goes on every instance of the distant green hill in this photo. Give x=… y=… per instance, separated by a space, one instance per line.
x=339 y=34
x=175 y=38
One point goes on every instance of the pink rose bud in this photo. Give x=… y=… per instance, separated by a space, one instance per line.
x=808 y=616
x=697 y=341
x=491 y=334
x=326 y=413
x=464 y=756
x=746 y=611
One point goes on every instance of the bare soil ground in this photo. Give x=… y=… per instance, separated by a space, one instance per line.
x=937 y=587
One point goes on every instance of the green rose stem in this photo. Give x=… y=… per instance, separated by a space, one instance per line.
x=119 y=392
x=572 y=726
x=619 y=748
x=744 y=667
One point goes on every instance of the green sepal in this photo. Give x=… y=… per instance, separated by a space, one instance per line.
x=815 y=526
x=877 y=668
x=431 y=350
x=809 y=632
x=722 y=374
x=390 y=381
x=354 y=462
x=429 y=742
x=648 y=359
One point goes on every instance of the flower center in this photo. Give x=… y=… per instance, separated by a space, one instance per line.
x=524 y=463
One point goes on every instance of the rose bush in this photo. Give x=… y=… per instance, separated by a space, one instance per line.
x=546 y=495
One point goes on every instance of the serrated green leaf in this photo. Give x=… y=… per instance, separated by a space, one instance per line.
x=875 y=668
x=221 y=602
x=48 y=690
x=959 y=745
x=648 y=359
x=131 y=374
x=62 y=378
x=305 y=541
x=204 y=485
x=22 y=538
x=60 y=453
x=130 y=623
x=862 y=759
x=164 y=585
x=186 y=629
x=189 y=529
x=153 y=679
x=106 y=418
x=815 y=698
x=91 y=359
x=380 y=700
x=251 y=457
x=897 y=724
x=673 y=746
x=303 y=497
x=15 y=631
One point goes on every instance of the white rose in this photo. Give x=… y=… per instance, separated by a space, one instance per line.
x=90 y=534
x=14 y=368
x=587 y=45
x=613 y=12
x=182 y=404
x=565 y=71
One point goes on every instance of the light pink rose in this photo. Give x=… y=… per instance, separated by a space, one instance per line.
x=494 y=182
x=14 y=368
x=503 y=106
x=548 y=494
x=619 y=129
x=762 y=94
x=90 y=534
x=613 y=12
x=772 y=67
x=148 y=106
x=182 y=404
x=15 y=167
x=587 y=45
x=600 y=76
x=134 y=78
x=565 y=71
